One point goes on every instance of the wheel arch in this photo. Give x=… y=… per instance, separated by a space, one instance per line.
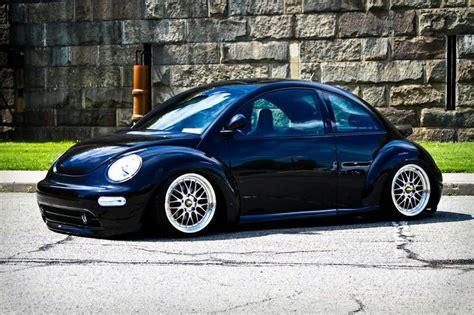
x=166 y=163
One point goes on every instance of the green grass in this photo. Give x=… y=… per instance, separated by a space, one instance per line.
x=455 y=157
x=450 y=157
x=30 y=155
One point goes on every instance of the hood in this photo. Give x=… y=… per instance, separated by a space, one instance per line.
x=88 y=155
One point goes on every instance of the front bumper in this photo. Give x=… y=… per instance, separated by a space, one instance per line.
x=74 y=209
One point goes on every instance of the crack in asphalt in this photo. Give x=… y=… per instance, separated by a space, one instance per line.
x=44 y=247
x=204 y=262
x=361 y=306
x=405 y=238
x=265 y=300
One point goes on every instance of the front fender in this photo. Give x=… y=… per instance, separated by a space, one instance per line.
x=161 y=163
x=389 y=159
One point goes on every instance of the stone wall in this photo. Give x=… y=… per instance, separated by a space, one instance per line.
x=6 y=73
x=79 y=55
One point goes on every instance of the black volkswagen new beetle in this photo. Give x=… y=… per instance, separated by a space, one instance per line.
x=245 y=150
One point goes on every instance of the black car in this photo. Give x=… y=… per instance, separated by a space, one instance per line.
x=245 y=150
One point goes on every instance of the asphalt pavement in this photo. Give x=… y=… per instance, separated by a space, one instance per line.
x=336 y=265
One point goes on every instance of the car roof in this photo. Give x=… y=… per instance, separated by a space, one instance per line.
x=270 y=83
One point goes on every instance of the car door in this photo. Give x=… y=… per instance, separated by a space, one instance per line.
x=358 y=135
x=283 y=159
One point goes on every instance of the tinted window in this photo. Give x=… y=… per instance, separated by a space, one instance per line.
x=284 y=113
x=350 y=116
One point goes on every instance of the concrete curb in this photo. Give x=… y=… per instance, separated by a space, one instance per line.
x=25 y=181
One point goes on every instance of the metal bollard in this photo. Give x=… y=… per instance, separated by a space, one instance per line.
x=140 y=92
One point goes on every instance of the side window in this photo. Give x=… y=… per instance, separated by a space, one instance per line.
x=284 y=113
x=350 y=116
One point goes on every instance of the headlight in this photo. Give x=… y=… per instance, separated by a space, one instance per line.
x=124 y=168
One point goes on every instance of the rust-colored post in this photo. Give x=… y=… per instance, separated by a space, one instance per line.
x=140 y=92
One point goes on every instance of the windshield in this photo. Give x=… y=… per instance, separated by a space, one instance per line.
x=195 y=113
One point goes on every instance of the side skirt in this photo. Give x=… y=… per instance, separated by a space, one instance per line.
x=303 y=214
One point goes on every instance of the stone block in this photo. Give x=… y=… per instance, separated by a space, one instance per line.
x=375 y=49
x=84 y=77
x=37 y=56
x=453 y=3
x=340 y=5
x=244 y=52
x=465 y=94
x=116 y=10
x=374 y=95
x=372 y=72
x=102 y=131
x=293 y=6
x=83 y=10
x=400 y=116
x=331 y=50
x=416 y=95
x=7 y=78
x=465 y=45
x=415 y=4
x=17 y=13
x=47 y=12
x=96 y=117
x=25 y=35
x=53 y=133
x=217 y=8
x=40 y=117
x=315 y=26
x=351 y=88
x=465 y=70
x=432 y=117
x=53 y=98
x=376 y=23
x=434 y=134
x=216 y=30
x=310 y=71
x=376 y=4
x=117 y=55
x=418 y=48
x=123 y=117
x=9 y=95
x=252 y=7
x=465 y=118
x=162 y=9
x=465 y=134
x=271 y=27
x=186 y=54
x=445 y=21
x=160 y=31
x=84 y=33
x=74 y=55
x=4 y=35
x=435 y=71
x=35 y=77
x=194 y=75
x=101 y=98
x=279 y=71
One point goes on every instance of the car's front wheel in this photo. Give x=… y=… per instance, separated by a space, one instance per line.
x=410 y=191
x=188 y=205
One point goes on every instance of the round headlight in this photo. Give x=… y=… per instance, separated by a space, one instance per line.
x=124 y=168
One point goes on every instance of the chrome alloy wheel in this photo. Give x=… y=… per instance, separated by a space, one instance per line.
x=410 y=190
x=190 y=203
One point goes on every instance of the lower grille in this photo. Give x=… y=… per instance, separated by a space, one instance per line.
x=70 y=217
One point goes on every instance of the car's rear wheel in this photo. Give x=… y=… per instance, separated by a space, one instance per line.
x=410 y=191
x=188 y=205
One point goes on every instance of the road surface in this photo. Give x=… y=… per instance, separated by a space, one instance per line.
x=337 y=265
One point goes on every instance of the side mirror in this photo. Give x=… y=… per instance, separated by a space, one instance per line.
x=236 y=122
x=405 y=130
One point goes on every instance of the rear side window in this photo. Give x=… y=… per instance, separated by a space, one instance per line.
x=350 y=116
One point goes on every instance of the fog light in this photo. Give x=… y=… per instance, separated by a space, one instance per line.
x=112 y=201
